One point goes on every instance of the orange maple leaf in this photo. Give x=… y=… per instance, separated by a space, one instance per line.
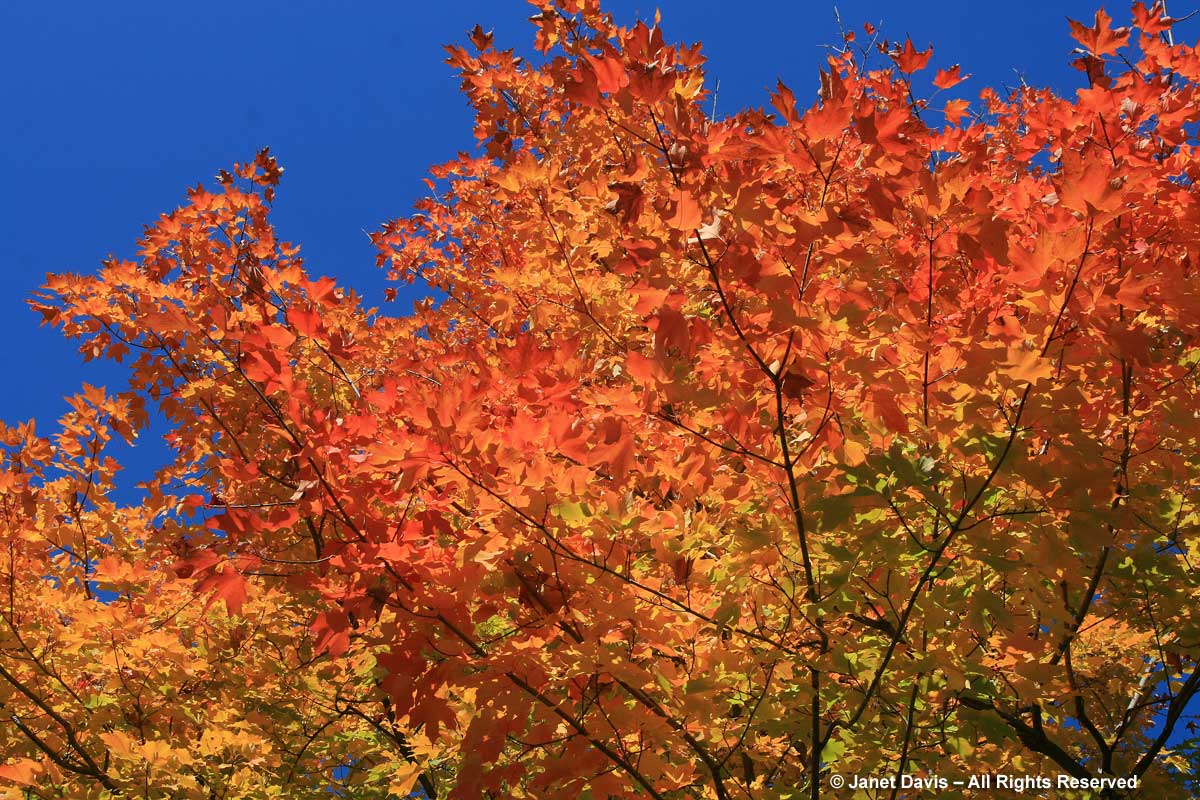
x=909 y=59
x=1100 y=39
x=949 y=77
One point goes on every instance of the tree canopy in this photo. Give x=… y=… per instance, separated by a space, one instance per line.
x=731 y=455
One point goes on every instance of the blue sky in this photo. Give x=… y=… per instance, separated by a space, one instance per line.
x=112 y=109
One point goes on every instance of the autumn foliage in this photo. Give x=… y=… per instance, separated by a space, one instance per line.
x=858 y=436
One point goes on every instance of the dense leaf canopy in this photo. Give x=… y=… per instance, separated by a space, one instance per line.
x=734 y=454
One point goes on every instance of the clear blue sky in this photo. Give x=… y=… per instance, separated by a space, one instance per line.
x=112 y=109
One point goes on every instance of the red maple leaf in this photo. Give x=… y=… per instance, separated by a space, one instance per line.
x=949 y=77
x=909 y=59
x=1100 y=39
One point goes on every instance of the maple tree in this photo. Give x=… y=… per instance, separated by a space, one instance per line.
x=851 y=439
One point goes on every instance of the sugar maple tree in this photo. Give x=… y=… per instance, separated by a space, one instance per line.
x=858 y=438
